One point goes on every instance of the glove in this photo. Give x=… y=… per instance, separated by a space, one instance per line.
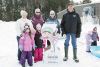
x=21 y=35
x=21 y=48
x=63 y=32
x=77 y=35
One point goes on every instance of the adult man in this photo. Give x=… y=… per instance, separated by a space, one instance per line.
x=71 y=26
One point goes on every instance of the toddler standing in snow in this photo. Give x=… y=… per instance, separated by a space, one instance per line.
x=26 y=43
x=95 y=37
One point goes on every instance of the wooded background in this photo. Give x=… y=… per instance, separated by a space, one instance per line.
x=10 y=9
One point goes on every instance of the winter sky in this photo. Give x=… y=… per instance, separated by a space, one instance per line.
x=82 y=0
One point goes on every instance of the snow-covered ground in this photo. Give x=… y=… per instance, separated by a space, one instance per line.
x=8 y=49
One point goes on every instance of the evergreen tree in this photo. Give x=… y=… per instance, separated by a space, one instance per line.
x=53 y=5
x=86 y=1
x=11 y=8
x=0 y=9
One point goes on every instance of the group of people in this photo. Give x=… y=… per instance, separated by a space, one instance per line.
x=29 y=36
x=91 y=39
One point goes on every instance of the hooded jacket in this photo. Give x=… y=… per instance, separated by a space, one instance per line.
x=71 y=23
x=95 y=36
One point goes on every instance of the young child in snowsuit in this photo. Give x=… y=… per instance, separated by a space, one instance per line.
x=26 y=44
x=95 y=37
x=38 y=52
x=88 y=41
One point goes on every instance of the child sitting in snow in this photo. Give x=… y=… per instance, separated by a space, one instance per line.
x=26 y=44
x=88 y=41
x=94 y=36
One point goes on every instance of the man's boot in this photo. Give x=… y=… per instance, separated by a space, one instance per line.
x=66 y=54
x=75 y=55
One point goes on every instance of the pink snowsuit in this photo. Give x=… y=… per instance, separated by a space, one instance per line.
x=26 y=42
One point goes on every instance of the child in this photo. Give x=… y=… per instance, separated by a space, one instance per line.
x=38 y=52
x=95 y=37
x=88 y=41
x=26 y=43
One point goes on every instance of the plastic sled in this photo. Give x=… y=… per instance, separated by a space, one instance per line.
x=95 y=50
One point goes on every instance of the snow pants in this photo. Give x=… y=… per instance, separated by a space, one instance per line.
x=38 y=54
x=26 y=55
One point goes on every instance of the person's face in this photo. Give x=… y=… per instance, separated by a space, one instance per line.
x=38 y=12
x=24 y=15
x=26 y=27
x=95 y=29
x=38 y=27
x=70 y=8
x=52 y=15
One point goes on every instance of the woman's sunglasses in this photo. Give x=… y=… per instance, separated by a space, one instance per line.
x=38 y=12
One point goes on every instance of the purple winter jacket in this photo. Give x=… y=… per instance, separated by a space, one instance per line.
x=37 y=19
x=95 y=36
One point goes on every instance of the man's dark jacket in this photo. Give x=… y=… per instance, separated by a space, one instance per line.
x=71 y=23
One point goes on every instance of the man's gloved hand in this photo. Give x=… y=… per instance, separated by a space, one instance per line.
x=77 y=35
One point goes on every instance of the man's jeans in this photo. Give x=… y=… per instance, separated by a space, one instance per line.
x=73 y=40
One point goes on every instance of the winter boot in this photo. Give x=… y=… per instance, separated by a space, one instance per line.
x=23 y=65
x=30 y=66
x=66 y=54
x=75 y=55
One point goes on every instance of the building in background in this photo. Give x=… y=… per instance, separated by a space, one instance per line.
x=92 y=9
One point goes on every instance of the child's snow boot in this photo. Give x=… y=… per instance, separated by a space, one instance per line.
x=23 y=65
